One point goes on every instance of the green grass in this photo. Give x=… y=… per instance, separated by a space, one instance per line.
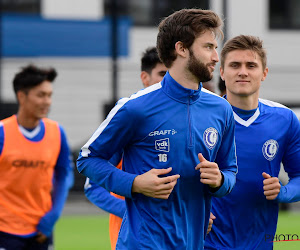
x=88 y=232
x=91 y=232
x=288 y=223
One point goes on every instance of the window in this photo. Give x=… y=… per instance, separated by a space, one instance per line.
x=284 y=14
x=150 y=12
x=20 y=6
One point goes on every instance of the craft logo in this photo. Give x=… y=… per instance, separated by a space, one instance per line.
x=282 y=237
x=210 y=137
x=163 y=145
x=29 y=164
x=163 y=132
x=270 y=149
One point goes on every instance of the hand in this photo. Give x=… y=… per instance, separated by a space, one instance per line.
x=271 y=186
x=150 y=184
x=40 y=237
x=210 y=223
x=209 y=172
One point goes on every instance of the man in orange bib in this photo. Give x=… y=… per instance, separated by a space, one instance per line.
x=34 y=165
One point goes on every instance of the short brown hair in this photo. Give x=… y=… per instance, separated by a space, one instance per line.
x=184 y=25
x=245 y=42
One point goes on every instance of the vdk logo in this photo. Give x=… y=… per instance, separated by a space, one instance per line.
x=210 y=137
x=163 y=145
x=270 y=149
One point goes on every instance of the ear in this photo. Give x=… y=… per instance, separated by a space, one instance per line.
x=265 y=73
x=145 y=77
x=180 y=49
x=21 y=95
x=222 y=73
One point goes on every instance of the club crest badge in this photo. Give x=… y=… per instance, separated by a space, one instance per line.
x=270 y=149
x=210 y=137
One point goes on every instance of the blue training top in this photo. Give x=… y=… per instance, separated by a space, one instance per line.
x=164 y=125
x=245 y=219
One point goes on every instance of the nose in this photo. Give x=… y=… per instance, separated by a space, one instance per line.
x=48 y=100
x=215 y=56
x=243 y=71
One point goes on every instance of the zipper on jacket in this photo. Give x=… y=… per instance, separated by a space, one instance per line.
x=190 y=136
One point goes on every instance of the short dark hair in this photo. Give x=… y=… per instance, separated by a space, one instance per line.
x=149 y=59
x=31 y=76
x=184 y=25
x=245 y=42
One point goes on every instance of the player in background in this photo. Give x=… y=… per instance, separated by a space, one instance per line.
x=152 y=71
x=35 y=168
x=267 y=133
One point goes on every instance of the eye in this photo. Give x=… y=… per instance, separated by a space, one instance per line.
x=233 y=65
x=162 y=73
x=252 y=65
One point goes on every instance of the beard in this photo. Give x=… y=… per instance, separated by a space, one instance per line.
x=199 y=69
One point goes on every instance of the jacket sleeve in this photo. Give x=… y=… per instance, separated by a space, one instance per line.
x=226 y=158
x=103 y=199
x=62 y=180
x=113 y=134
x=291 y=162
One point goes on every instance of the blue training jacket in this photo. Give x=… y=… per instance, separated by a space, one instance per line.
x=164 y=125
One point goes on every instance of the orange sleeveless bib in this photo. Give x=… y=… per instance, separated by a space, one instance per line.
x=115 y=221
x=26 y=170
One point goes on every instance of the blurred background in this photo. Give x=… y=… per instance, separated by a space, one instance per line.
x=96 y=46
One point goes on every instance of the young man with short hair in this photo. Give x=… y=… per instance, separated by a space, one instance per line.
x=152 y=69
x=34 y=165
x=267 y=134
x=178 y=142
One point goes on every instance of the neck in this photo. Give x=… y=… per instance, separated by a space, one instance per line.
x=243 y=102
x=27 y=122
x=183 y=78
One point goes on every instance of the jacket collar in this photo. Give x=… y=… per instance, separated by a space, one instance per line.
x=176 y=91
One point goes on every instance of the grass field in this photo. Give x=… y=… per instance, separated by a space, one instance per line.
x=82 y=233
x=91 y=232
x=288 y=223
